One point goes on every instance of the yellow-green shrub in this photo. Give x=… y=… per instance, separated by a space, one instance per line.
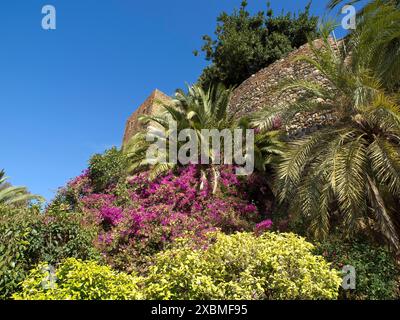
x=243 y=266
x=77 y=280
x=240 y=266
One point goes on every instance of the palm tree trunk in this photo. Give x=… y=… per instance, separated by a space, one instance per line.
x=203 y=178
x=217 y=175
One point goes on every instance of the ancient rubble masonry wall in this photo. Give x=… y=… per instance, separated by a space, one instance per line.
x=256 y=93
x=151 y=106
x=260 y=90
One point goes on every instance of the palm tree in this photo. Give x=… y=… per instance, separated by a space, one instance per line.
x=347 y=173
x=197 y=110
x=10 y=195
x=382 y=54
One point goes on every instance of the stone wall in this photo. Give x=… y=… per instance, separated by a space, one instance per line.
x=257 y=92
x=151 y=106
x=260 y=91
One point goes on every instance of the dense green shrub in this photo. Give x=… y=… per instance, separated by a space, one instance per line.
x=240 y=266
x=107 y=169
x=60 y=235
x=243 y=266
x=247 y=43
x=77 y=280
x=28 y=237
x=377 y=274
x=16 y=226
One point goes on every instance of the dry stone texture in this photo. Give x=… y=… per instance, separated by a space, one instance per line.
x=256 y=93
x=260 y=90
x=151 y=106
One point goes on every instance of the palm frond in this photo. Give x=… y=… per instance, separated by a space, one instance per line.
x=350 y=170
x=384 y=219
x=294 y=161
x=10 y=195
x=385 y=163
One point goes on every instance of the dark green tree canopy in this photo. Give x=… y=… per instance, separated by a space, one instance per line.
x=247 y=43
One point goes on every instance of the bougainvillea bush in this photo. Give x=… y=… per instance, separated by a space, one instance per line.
x=142 y=217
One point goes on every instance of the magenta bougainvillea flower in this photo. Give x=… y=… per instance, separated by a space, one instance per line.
x=154 y=213
x=263 y=226
x=111 y=215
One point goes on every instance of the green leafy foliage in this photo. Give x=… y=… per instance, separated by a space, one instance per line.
x=377 y=273
x=346 y=174
x=15 y=234
x=242 y=266
x=245 y=44
x=60 y=235
x=107 y=169
x=78 y=280
x=380 y=54
x=344 y=177
x=28 y=237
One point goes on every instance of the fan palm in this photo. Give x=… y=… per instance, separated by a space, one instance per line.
x=10 y=195
x=194 y=110
x=349 y=172
x=381 y=54
x=197 y=110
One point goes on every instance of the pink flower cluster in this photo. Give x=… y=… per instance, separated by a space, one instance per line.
x=263 y=226
x=175 y=205
x=81 y=183
x=111 y=215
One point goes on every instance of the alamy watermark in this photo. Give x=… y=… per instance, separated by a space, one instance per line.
x=49 y=21
x=349 y=20
x=349 y=278
x=50 y=279
x=202 y=147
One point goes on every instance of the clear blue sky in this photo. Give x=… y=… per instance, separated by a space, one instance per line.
x=66 y=94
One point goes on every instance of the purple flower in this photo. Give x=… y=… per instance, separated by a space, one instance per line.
x=173 y=206
x=263 y=226
x=111 y=215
